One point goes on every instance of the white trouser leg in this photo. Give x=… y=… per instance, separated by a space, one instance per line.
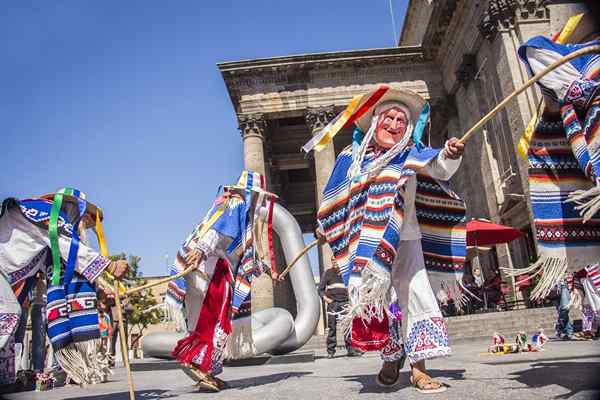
x=197 y=285
x=424 y=329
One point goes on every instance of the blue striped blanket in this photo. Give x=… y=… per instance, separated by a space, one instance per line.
x=362 y=221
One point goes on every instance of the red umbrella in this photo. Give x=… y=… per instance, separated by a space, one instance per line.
x=480 y=233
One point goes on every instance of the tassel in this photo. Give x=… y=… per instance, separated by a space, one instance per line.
x=552 y=270
x=72 y=362
x=588 y=202
x=187 y=348
x=369 y=299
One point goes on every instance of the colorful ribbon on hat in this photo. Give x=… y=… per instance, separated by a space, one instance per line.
x=54 y=239
x=347 y=117
x=562 y=37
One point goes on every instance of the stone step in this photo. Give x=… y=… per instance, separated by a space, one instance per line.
x=508 y=323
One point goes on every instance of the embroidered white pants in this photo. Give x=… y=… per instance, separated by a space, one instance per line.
x=423 y=331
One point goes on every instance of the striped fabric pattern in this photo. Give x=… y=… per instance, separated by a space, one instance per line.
x=235 y=222
x=593 y=272
x=72 y=313
x=554 y=173
x=362 y=220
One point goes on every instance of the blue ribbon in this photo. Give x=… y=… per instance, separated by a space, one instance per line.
x=420 y=127
x=74 y=247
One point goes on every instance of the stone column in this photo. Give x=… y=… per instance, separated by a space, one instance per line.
x=316 y=119
x=252 y=128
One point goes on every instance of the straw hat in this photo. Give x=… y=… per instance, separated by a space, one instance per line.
x=250 y=180
x=413 y=101
x=73 y=196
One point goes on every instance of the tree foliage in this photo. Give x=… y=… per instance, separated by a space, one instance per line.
x=139 y=308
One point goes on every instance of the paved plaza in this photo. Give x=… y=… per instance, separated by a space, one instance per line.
x=566 y=370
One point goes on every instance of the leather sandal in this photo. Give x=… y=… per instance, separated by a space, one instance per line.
x=383 y=381
x=422 y=381
x=203 y=380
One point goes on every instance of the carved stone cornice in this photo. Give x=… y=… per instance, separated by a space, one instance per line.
x=252 y=125
x=318 y=117
x=438 y=27
x=503 y=13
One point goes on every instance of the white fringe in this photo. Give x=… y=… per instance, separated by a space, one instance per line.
x=552 y=269
x=370 y=299
x=174 y=313
x=240 y=343
x=82 y=362
x=588 y=202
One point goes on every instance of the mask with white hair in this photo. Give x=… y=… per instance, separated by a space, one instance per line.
x=394 y=138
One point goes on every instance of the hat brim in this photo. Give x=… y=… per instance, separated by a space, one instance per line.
x=413 y=101
x=91 y=209
x=243 y=189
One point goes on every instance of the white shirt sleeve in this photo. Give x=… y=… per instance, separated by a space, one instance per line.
x=558 y=80
x=28 y=242
x=442 y=168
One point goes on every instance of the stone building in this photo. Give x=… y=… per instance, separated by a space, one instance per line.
x=458 y=54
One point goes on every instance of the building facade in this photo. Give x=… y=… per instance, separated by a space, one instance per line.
x=461 y=56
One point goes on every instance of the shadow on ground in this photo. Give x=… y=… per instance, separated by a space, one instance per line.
x=573 y=376
x=172 y=394
x=139 y=394
x=370 y=386
x=264 y=380
x=154 y=366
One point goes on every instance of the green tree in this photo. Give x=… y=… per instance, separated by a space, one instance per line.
x=140 y=307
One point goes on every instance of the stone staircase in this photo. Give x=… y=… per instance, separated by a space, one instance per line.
x=507 y=323
x=477 y=326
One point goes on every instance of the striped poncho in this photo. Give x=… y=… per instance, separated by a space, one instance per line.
x=232 y=215
x=71 y=309
x=564 y=163
x=362 y=221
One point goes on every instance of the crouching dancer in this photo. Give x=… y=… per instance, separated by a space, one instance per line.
x=226 y=250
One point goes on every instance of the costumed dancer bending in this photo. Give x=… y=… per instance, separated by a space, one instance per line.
x=391 y=221
x=563 y=153
x=47 y=234
x=227 y=250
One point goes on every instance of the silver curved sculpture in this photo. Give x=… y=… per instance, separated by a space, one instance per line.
x=273 y=330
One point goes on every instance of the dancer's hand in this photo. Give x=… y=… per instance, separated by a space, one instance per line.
x=194 y=257
x=118 y=268
x=321 y=236
x=453 y=149
x=275 y=276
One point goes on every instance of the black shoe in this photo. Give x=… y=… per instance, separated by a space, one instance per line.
x=330 y=355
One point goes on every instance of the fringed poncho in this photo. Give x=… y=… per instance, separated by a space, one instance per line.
x=363 y=219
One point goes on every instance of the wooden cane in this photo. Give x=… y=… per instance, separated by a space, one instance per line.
x=298 y=257
x=534 y=79
x=181 y=274
x=123 y=340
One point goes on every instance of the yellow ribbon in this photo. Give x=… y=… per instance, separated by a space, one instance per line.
x=567 y=31
x=339 y=123
x=104 y=250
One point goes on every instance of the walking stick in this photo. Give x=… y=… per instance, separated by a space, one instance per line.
x=534 y=79
x=298 y=257
x=181 y=274
x=123 y=340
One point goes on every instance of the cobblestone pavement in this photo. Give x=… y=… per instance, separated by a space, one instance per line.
x=566 y=370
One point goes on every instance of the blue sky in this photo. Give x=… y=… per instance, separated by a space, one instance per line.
x=123 y=100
